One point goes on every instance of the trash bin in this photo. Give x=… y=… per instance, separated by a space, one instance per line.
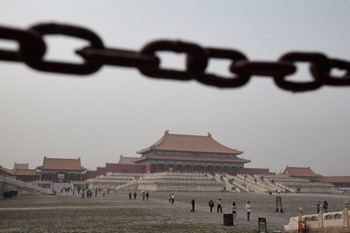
x=228 y=219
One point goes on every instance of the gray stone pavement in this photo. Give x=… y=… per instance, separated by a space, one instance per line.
x=116 y=213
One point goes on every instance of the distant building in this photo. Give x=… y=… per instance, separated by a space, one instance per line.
x=61 y=170
x=257 y=171
x=190 y=153
x=172 y=152
x=21 y=166
x=127 y=166
x=179 y=153
x=337 y=181
x=127 y=160
x=301 y=172
x=22 y=172
x=4 y=171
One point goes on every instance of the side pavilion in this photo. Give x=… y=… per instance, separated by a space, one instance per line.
x=61 y=170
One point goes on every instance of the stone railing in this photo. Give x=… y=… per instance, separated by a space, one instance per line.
x=24 y=185
x=321 y=222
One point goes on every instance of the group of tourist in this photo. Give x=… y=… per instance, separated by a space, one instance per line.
x=145 y=195
x=247 y=210
x=89 y=192
x=219 y=207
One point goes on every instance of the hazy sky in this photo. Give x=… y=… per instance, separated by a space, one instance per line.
x=117 y=111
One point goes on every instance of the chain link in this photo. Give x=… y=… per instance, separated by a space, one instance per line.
x=32 y=49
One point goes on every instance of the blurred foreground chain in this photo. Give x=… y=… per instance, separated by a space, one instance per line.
x=32 y=49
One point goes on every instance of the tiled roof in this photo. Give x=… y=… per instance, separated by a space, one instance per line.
x=189 y=143
x=127 y=160
x=4 y=170
x=25 y=172
x=335 y=179
x=300 y=172
x=189 y=158
x=21 y=166
x=61 y=164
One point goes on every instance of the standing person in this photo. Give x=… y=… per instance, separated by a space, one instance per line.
x=218 y=206
x=211 y=205
x=143 y=195
x=318 y=206
x=129 y=195
x=234 y=211
x=193 y=202
x=248 y=209
x=135 y=195
x=169 y=197
x=325 y=206
x=147 y=195
x=172 y=198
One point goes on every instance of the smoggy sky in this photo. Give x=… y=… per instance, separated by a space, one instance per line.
x=118 y=111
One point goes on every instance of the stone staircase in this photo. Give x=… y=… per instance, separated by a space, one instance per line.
x=165 y=181
x=300 y=185
x=171 y=181
x=20 y=185
x=114 y=181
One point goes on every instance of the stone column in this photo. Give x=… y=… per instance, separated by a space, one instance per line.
x=301 y=212
x=346 y=214
x=320 y=217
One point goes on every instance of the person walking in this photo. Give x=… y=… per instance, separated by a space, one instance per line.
x=211 y=205
x=193 y=202
x=218 y=206
x=234 y=211
x=248 y=209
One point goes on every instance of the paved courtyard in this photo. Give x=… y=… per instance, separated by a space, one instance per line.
x=116 y=213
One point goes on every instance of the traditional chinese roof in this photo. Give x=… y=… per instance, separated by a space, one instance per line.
x=127 y=160
x=335 y=179
x=256 y=171
x=24 y=166
x=61 y=164
x=189 y=143
x=25 y=172
x=191 y=158
x=300 y=172
x=4 y=171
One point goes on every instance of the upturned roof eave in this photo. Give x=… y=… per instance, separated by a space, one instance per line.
x=238 y=160
x=235 y=152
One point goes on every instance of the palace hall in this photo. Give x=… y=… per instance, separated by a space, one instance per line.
x=190 y=153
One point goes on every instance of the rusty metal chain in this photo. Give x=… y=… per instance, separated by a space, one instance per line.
x=32 y=49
